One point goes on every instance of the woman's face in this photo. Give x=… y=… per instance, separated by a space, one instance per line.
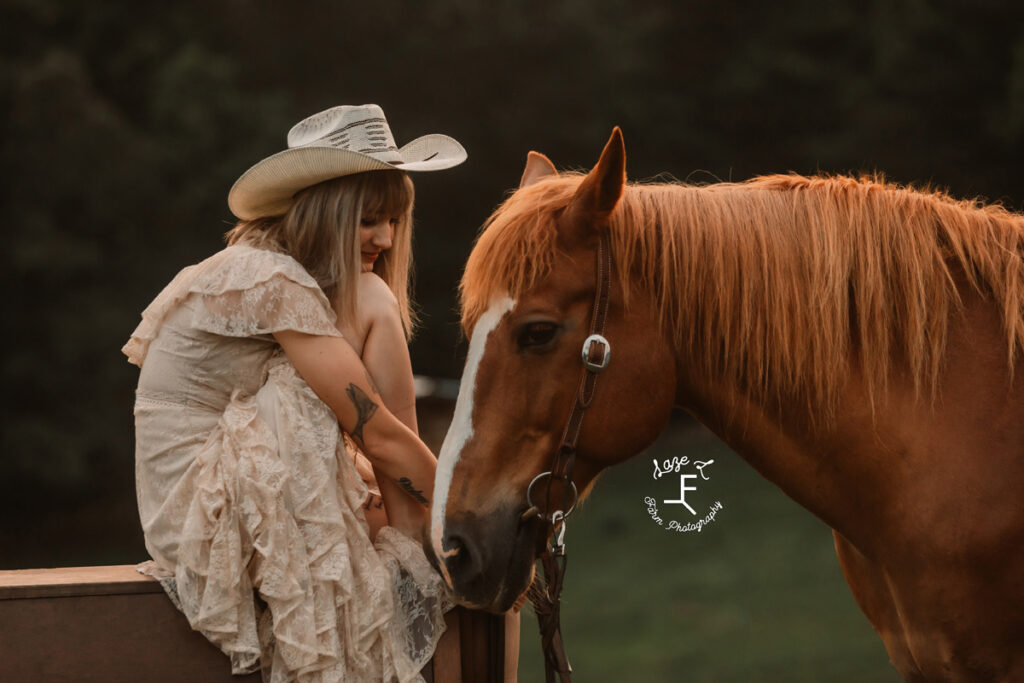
x=375 y=235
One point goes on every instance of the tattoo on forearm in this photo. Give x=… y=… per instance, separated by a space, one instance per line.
x=365 y=408
x=406 y=484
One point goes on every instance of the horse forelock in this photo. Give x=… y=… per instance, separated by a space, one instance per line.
x=515 y=248
x=777 y=282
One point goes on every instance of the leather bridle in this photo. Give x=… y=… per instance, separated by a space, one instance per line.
x=545 y=595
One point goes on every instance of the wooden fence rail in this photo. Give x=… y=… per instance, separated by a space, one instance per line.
x=112 y=624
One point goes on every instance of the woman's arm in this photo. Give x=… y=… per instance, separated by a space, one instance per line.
x=377 y=335
x=386 y=357
x=336 y=374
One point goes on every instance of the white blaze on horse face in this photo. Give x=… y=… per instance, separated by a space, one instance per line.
x=461 y=429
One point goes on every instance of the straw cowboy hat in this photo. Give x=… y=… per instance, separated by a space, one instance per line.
x=336 y=142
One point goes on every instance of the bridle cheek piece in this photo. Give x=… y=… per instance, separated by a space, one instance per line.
x=596 y=354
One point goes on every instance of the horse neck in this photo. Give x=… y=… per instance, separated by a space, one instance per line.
x=816 y=463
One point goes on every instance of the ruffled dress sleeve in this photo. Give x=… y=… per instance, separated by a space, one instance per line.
x=241 y=291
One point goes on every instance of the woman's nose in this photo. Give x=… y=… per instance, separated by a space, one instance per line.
x=383 y=234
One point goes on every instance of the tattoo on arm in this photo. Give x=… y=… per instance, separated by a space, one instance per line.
x=406 y=484
x=369 y=503
x=365 y=408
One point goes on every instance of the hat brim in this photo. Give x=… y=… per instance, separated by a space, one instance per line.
x=267 y=189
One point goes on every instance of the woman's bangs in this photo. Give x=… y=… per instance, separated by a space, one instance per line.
x=386 y=193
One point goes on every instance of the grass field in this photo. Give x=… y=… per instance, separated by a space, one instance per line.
x=757 y=595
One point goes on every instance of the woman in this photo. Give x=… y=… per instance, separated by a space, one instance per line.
x=249 y=362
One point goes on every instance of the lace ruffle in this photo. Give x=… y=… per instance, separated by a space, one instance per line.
x=241 y=291
x=276 y=507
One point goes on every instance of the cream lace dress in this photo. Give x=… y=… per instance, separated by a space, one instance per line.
x=246 y=487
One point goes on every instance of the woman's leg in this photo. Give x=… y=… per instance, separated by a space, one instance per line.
x=381 y=341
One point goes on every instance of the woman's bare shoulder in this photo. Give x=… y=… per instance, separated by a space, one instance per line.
x=374 y=295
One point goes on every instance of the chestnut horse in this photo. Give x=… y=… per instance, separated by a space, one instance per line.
x=852 y=340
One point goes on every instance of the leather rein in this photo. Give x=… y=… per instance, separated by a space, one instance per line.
x=545 y=595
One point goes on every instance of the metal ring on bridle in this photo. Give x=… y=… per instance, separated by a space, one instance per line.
x=587 y=343
x=529 y=496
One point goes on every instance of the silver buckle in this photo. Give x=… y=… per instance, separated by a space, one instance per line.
x=596 y=367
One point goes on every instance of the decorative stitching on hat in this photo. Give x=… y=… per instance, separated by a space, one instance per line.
x=335 y=136
x=364 y=122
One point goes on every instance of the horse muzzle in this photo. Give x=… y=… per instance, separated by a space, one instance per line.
x=489 y=558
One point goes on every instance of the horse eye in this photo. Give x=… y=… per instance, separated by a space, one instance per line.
x=533 y=335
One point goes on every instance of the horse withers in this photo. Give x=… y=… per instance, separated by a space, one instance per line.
x=852 y=340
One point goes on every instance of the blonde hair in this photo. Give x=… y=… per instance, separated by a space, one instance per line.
x=320 y=230
x=776 y=283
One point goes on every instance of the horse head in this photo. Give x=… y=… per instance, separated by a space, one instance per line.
x=527 y=297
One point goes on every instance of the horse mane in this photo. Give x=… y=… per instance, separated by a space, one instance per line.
x=780 y=282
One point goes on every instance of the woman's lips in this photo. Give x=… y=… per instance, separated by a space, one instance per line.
x=370 y=256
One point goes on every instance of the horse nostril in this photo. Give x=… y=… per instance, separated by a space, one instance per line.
x=458 y=556
x=453 y=547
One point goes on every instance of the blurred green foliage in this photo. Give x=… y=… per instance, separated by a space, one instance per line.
x=124 y=124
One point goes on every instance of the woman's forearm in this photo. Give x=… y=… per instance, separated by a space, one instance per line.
x=386 y=357
x=398 y=454
x=403 y=512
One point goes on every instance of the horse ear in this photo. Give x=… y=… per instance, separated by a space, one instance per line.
x=538 y=167
x=602 y=187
